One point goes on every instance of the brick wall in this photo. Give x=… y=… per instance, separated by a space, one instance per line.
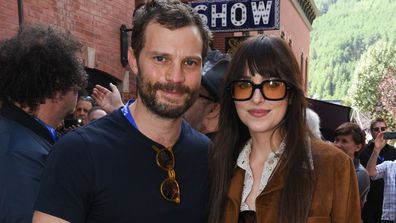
x=96 y=23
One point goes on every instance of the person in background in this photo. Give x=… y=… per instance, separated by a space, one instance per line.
x=84 y=105
x=350 y=138
x=95 y=113
x=264 y=164
x=372 y=210
x=313 y=122
x=142 y=162
x=386 y=171
x=203 y=115
x=40 y=75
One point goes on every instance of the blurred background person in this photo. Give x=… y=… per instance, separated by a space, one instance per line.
x=84 y=105
x=386 y=171
x=350 y=138
x=313 y=123
x=95 y=113
x=372 y=210
x=40 y=76
x=203 y=115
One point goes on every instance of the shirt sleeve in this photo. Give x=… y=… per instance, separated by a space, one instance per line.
x=67 y=180
x=381 y=170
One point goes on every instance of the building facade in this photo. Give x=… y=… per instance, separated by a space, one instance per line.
x=97 y=25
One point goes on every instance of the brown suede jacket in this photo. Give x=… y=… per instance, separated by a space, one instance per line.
x=336 y=193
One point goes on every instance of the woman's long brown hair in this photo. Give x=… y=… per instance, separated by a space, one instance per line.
x=269 y=57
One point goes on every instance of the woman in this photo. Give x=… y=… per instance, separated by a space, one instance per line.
x=350 y=138
x=264 y=165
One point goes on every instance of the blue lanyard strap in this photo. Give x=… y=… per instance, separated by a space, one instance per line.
x=127 y=113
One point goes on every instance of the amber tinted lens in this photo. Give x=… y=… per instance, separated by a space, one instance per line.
x=165 y=159
x=274 y=90
x=170 y=190
x=241 y=90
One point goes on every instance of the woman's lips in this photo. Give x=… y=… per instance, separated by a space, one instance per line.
x=258 y=112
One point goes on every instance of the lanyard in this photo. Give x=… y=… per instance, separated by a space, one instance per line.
x=127 y=113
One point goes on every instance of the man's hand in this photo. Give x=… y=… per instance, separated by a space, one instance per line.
x=108 y=100
x=379 y=143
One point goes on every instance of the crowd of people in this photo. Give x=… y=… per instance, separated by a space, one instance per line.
x=209 y=138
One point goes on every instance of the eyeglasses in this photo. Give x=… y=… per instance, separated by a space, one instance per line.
x=169 y=188
x=272 y=90
x=377 y=129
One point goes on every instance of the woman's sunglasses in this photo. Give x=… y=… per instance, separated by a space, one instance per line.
x=272 y=90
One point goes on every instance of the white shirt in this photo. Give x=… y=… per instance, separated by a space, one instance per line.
x=269 y=166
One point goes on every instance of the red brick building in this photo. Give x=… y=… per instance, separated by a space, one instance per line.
x=97 y=25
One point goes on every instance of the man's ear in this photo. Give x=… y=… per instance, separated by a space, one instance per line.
x=132 y=61
x=214 y=110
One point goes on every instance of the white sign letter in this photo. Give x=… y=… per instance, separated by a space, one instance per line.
x=203 y=16
x=261 y=12
x=221 y=15
x=243 y=9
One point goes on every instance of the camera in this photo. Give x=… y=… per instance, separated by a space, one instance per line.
x=389 y=135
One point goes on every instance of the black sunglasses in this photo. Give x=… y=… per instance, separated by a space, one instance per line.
x=376 y=129
x=169 y=188
x=272 y=90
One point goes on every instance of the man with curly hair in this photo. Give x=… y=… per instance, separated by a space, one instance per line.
x=40 y=75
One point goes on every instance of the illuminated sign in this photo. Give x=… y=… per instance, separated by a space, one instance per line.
x=234 y=16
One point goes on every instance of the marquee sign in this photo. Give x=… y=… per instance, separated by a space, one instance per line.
x=241 y=15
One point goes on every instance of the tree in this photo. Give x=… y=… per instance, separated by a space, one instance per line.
x=373 y=82
x=340 y=37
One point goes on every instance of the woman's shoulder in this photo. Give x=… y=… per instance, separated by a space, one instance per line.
x=326 y=151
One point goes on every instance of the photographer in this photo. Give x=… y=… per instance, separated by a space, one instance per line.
x=386 y=171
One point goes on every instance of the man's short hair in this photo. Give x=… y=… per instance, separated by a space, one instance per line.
x=88 y=99
x=37 y=63
x=375 y=121
x=353 y=129
x=171 y=14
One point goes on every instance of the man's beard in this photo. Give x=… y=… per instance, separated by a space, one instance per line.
x=147 y=92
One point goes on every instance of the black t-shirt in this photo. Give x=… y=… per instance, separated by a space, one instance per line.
x=106 y=172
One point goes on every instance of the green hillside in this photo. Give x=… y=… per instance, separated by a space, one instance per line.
x=340 y=36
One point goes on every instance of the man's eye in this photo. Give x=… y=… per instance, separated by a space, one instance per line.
x=160 y=58
x=191 y=62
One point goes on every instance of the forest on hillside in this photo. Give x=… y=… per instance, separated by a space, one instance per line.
x=344 y=31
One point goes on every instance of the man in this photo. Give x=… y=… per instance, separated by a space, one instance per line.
x=141 y=163
x=386 y=171
x=95 y=113
x=40 y=76
x=204 y=113
x=372 y=210
x=84 y=105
